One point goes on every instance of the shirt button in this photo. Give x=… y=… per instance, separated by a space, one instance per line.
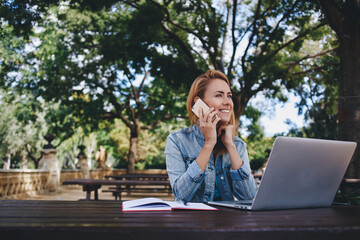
x=222 y=178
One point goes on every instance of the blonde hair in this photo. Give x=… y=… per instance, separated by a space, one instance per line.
x=198 y=89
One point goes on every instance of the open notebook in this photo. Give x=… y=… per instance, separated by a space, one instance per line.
x=156 y=204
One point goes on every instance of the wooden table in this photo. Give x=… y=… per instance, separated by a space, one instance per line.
x=89 y=220
x=90 y=185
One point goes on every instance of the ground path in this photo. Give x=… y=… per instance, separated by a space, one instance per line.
x=75 y=193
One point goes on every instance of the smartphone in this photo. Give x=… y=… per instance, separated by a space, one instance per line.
x=199 y=104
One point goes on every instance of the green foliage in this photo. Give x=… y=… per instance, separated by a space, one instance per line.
x=85 y=59
x=21 y=15
x=255 y=130
x=115 y=138
x=258 y=145
x=319 y=95
x=152 y=146
x=10 y=52
x=258 y=151
x=22 y=127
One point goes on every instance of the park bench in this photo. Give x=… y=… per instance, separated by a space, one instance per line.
x=141 y=185
x=92 y=185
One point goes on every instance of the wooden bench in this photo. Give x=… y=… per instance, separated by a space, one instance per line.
x=141 y=186
x=92 y=185
x=140 y=176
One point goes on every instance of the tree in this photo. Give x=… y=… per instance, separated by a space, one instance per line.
x=250 y=43
x=210 y=36
x=344 y=18
x=319 y=94
x=9 y=139
x=22 y=128
x=92 y=52
x=77 y=68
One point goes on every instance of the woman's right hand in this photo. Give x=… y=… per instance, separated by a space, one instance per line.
x=208 y=121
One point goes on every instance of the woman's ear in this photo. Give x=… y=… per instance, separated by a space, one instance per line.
x=196 y=98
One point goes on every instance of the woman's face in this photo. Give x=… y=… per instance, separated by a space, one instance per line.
x=219 y=96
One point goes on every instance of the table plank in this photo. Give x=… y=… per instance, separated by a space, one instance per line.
x=104 y=219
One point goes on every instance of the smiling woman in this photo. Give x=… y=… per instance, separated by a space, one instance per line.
x=206 y=161
x=219 y=97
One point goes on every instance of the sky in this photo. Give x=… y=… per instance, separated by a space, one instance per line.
x=276 y=113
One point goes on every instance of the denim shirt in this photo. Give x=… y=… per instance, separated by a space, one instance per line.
x=190 y=184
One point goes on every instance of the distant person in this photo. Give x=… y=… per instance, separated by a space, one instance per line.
x=101 y=157
x=206 y=161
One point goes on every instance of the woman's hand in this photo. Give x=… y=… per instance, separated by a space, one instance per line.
x=208 y=121
x=227 y=137
x=226 y=132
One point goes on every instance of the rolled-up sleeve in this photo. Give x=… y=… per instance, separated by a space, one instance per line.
x=185 y=178
x=244 y=184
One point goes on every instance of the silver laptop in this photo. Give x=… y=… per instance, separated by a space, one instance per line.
x=300 y=173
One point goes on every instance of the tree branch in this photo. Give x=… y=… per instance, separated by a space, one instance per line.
x=66 y=136
x=183 y=45
x=253 y=34
x=234 y=42
x=132 y=3
x=314 y=69
x=142 y=82
x=228 y=16
x=295 y=39
x=34 y=159
x=272 y=34
x=111 y=96
x=294 y=63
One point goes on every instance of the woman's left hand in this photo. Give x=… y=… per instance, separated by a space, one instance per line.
x=226 y=132
x=227 y=137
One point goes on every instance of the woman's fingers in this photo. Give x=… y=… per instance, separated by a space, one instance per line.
x=221 y=128
x=216 y=120
x=224 y=128
x=212 y=116
x=208 y=115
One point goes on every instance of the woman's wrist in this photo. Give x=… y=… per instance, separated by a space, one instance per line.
x=235 y=159
x=230 y=146
x=209 y=145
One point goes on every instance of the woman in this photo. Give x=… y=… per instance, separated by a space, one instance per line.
x=206 y=161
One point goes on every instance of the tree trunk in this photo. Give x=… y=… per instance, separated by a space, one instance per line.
x=240 y=103
x=349 y=92
x=133 y=155
x=344 y=19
